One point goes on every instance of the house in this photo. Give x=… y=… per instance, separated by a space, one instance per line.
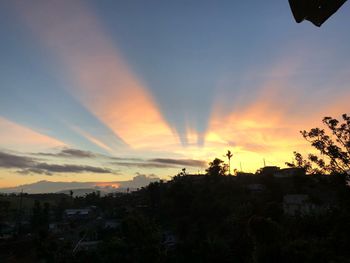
x=78 y=214
x=169 y=240
x=256 y=188
x=289 y=172
x=297 y=204
x=86 y=246
x=243 y=174
x=7 y=230
x=111 y=224
x=59 y=227
x=268 y=170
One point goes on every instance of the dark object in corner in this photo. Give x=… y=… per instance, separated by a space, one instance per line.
x=315 y=11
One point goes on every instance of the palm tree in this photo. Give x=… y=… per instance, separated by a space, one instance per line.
x=229 y=155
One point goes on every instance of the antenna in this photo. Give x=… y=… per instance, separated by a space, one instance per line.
x=264 y=162
x=240 y=165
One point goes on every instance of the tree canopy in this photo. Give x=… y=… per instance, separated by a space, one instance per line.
x=332 y=144
x=217 y=167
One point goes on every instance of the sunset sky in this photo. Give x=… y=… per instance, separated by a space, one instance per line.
x=106 y=90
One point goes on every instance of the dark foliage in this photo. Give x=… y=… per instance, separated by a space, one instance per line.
x=217 y=168
x=333 y=147
x=194 y=218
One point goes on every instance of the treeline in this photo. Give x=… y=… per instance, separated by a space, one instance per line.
x=218 y=219
x=197 y=218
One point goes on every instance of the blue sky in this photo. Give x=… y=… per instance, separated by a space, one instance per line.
x=181 y=79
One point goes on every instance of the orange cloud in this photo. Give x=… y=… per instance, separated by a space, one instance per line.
x=268 y=127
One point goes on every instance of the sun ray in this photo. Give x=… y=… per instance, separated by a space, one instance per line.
x=15 y=136
x=102 y=80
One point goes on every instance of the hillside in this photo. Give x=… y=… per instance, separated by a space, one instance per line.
x=198 y=218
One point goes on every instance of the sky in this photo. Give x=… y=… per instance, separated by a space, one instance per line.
x=109 y=90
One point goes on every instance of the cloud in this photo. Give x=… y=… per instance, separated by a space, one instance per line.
x=27 y=165
x=159 y=163
x=68 y=152
x=70 y=168
x=126 y=159
x=180 y=162
x=33 y=170
x=139 y=180
x=144 y=165
x=13 y=161
x=77 y=153
x=49 y=169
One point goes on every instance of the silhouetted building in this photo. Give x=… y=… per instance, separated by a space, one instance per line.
x=78 y=214
x=256 y=188
x=289 y=172
x=243 y=174
x=268 y=170
x=297 y=204
x=87 y=245
x=169 y=240
x=111 y=224
x=6 y=230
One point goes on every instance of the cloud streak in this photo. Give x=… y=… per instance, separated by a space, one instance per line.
x=66 y=168
x=13 y=161
x=160 y=163
x=143 y=165
x=70 y=153
x=27 y=165
x=13 y=135
x=103 y=81
x=180 y=162
x=265 y=122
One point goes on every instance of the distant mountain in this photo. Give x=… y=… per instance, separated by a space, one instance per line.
x=82 y=187
x=46 y=187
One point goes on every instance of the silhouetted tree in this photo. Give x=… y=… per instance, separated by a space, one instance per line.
x=333 y=147
x=216 y=167
x=37 y=215
x=4 y=209
x=301 y=162
x=40 y=216
x=266 y=235
x=154 y=193
x=229 y=156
